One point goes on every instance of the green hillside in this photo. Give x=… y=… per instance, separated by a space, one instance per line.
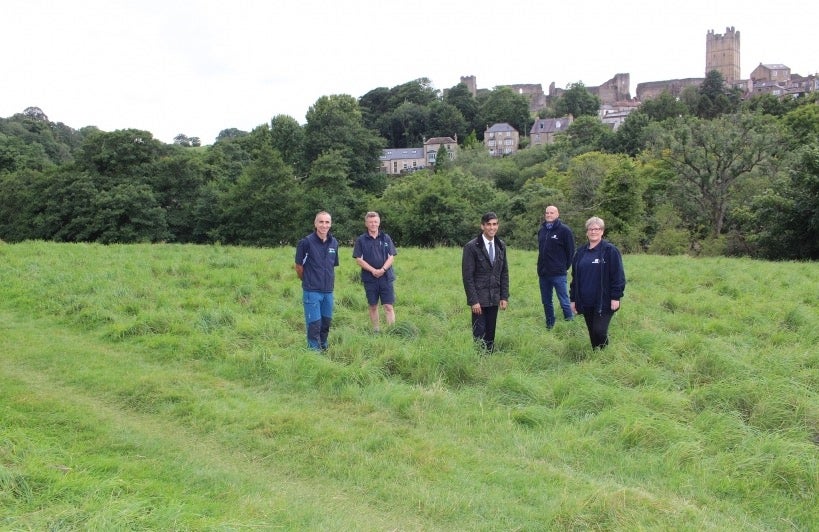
x=168 y=387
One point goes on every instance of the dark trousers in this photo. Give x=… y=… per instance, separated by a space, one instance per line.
x=598 y=326
x=483 y=326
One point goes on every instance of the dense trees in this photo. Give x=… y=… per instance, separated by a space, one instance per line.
x=703 y=173
x=576 y=101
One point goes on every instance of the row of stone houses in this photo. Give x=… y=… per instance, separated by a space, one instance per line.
x=500 y=140
x=722 y=54
x=776 y=79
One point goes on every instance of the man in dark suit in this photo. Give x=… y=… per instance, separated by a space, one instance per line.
x=486 y=280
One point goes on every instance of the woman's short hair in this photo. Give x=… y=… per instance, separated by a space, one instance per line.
x=596 y=220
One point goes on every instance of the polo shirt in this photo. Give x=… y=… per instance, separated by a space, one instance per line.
x=375 y=251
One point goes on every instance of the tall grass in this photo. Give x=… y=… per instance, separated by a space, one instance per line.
x=169 y=387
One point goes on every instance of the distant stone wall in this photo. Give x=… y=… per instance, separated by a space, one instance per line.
x=652 y=89
x=614 y=90
x=532 y=91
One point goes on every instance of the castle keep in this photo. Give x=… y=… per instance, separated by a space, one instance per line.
x=722 y=54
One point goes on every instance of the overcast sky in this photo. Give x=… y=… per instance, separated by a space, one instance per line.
x=198 y=67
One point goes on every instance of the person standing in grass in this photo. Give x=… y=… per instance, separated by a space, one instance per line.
x=555 y=251
x=486 y=280
x=375 y=252
x=598 y=282
x=316 y=260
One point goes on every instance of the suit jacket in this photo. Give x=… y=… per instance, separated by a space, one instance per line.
x=484 y=282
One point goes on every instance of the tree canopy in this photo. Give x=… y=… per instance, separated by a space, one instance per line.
x=703 y=173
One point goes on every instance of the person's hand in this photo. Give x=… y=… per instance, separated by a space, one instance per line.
x=476 y=309
x=615 y=304
x=574 y=307
x=503 y=304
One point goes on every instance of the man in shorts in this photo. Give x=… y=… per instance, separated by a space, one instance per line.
x=375 y=252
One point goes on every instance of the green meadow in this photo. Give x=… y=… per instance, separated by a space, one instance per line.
x=168 y=387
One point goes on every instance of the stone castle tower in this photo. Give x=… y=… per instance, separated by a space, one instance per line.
x=471 y=84
x=722 y=54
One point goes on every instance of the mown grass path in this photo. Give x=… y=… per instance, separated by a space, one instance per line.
x=44 y=405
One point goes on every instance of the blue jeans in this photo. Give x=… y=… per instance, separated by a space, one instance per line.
x=318 y=316
x=558 y=282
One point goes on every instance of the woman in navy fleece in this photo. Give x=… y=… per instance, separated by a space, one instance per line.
x=598 y=282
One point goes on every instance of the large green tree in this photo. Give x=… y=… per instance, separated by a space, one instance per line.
x=622 y=206
x=176 y=182
x=445 y=120
x=328 y=188
x=711 y=158
x=462 y=99
x=122 y=154
x=287 y=136
x=335 y=123
x=715 y=98
x=505 y=105
x=577 y=101
x=259 y=209
x=443 y=208
x=21 y=205
x=782 y=220
x=585 y=134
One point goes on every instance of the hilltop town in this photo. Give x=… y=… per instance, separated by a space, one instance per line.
x=722 y=53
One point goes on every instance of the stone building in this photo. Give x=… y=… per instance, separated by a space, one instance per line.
x=396 y=161
x=775 y=72
x=722 y=54
x=544 y=129
x=434 y=146
x=501 y=139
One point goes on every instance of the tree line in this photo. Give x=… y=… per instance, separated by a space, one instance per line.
x=704 y=173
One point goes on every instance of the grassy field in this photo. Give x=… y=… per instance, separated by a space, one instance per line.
x=165 y=387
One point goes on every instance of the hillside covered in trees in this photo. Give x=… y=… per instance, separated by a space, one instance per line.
x=708 y=173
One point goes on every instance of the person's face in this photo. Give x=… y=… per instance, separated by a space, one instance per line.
x=373 y=224
x=323 y=223
x=594 y=233
x=490 y=228
x=551 y=214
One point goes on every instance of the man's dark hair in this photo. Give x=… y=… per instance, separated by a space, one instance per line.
x=488 y=216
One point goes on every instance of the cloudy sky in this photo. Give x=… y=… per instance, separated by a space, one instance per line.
x=198 y=67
